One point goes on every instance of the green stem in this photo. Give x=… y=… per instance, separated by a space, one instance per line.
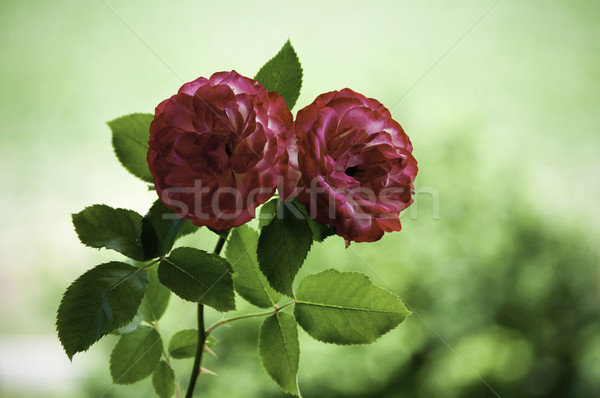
x=220 y=244
x=237 y=318
x=201 y=333
x=199 y=351
x=152 y=263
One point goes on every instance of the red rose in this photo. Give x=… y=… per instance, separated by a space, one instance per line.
x=352 y=164
x=214 y=149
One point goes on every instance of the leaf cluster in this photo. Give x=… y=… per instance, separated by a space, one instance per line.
x=130 y=298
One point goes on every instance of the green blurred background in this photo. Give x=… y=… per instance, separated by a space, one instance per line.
x=498 y=257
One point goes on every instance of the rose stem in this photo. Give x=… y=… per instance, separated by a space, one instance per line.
x=201 y=333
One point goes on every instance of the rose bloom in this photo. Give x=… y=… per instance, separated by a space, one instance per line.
x=352 y=165
x=214 y=149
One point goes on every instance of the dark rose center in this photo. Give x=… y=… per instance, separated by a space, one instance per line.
x=230 y=143
x=355 y=172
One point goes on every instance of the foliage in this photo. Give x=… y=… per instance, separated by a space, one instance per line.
x=333 y=307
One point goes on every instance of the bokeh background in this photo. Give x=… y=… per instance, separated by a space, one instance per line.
x=499 y=254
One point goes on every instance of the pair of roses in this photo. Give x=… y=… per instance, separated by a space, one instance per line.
x=222 y=146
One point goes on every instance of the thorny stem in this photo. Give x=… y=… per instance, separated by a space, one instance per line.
x=201 y=333
x=199 y=351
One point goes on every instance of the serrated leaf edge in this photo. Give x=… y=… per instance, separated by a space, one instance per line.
x=256 y=271
x=219 y=258
x=291 y=292
x=285 y=344
x=144 y=354
x=287 y=44
x=132 y=139
x=101 y=301
x=139 y=244
x=408 y=312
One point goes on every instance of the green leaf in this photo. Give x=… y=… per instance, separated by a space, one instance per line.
x=187 y=228
x=346 y=308
x=198 y=276
x=130 y=135
x=98 y=302
x=319 y=231
x=248 y=280
x=268 y=211
x=163 y=380
x=279 y=350
x=156 y=299
x=183 y=344
x=283 y=73
x=130 y=327
x=160 y=228
x=282 y=248
x=135 y=356
x=118 y=229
